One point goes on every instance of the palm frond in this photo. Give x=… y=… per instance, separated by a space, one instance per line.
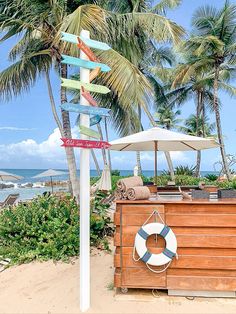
x=162 y=6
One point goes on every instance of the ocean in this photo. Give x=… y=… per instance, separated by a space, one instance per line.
x=28 y=174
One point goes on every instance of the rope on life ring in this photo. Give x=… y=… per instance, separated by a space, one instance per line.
x=163 y=258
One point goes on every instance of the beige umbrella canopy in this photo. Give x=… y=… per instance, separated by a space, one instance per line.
x=158 y=139
x=50 y=173
x=7 y=176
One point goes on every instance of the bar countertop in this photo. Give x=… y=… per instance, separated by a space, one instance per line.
x=162 y=200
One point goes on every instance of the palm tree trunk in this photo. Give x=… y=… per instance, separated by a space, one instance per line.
x=138 y=154
x=103 y=150
x=218 y=123
x=96 y=162
x=167 y=154
x=138 y=159
x=107 y=139
x=67 y=133
x=198 y=115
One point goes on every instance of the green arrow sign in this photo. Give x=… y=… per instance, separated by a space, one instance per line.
x=72 y=84
x=89 y=132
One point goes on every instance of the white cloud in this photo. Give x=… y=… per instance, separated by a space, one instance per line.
x=13 y=128
x=29 y=153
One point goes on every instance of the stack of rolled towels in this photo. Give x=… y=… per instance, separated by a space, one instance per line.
x=132 y=189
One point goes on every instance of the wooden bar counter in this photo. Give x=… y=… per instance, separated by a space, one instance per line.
x=206 y=236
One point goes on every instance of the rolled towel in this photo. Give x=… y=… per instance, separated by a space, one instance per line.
x=125 y=184
x=118 y=195
x=138 y=193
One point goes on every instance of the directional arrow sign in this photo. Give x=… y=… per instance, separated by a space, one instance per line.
x=85 y=63
x=93 y=74
x=85 y=109
x=67 y=142
x=89 y=132
x=72 y=84
x=89 y=42
x=81 y=45
x=88 y=97
x=95 y=120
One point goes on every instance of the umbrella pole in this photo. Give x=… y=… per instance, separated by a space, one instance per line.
x=155 y=165
x=51 y=185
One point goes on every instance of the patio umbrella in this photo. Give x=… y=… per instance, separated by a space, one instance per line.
x=105 y=181
x=6 y=176
x=158 y=139
x=50 y=173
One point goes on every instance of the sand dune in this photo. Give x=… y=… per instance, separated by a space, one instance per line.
x=54 y=288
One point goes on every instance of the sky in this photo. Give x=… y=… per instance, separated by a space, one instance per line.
x=29 y=137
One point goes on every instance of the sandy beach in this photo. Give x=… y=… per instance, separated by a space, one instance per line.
x=49 y=287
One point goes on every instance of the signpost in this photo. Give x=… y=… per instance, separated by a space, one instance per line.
x=72 y=84
x=84 y=63
x=84 y=144
x=86 y=110
x=89 y=116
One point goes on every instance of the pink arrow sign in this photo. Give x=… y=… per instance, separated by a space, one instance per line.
x=81 y=45
x=88 y=97
x=70 y=142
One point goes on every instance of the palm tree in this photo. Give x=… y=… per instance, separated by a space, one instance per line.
x=167 y=117
x=215 y=35
x=43 y=23
x=194 y=126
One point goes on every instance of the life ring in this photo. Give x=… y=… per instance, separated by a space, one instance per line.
x=156 y=259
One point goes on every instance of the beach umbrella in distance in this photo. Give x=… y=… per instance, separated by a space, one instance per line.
x=50 y=173
x=158 y=139
x=105 y=181
x=7 y=176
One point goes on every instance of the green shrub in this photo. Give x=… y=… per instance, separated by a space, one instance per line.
x=115 y=173
x=211 y=177
x=45 y=228
x=185 y=170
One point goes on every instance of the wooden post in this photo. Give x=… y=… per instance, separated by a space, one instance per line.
x=84 y=197
x=155 y=166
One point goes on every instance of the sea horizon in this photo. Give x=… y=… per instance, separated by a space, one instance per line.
x=29 y=173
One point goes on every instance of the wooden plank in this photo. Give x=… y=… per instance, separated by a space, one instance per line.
x=73 y=84
x=209 y=207
x=84 y=63
x=199 y=220
x=201 y=283
x=141 y=209
x=71 y=38
x=184 y=262
x=191 y=241
x=135 y=219
x=140 y=277
x=117 y=278
x=85 y=109
x=187 y=251
x=201 y=272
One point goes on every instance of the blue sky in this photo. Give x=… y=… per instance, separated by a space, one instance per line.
x=28 y=135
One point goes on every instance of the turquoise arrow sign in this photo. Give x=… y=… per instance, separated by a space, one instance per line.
x=89 y=42
x=95 y=120
x=85 y=109
x=85 y=63
x=72 y=84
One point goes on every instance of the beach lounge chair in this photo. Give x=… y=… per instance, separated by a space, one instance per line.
x=10 y=200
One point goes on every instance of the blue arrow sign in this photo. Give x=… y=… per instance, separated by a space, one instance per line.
x=89 y=42
x=84 y=63
x=85 y=109
x=95 y=120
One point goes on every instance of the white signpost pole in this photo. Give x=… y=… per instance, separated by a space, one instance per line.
x=84 y=198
